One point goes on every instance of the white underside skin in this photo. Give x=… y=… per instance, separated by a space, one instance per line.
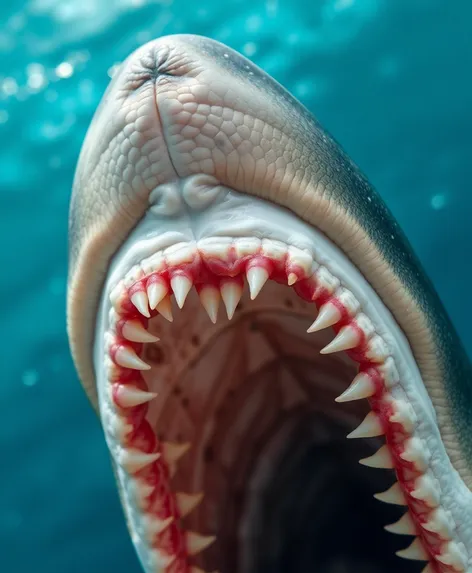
x=182 y=212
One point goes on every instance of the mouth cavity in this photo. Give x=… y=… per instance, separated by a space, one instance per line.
x=213 y=418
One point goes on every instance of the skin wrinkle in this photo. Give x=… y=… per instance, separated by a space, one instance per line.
x=315 y=180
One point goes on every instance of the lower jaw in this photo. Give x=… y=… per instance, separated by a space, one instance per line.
x=238 y=391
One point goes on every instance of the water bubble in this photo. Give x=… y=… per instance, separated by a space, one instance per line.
x=30 y=378
x=9 y=86
x=250 y=49
x=64 y=70
x=113 y=69
x=36 y=77
x=438 y=201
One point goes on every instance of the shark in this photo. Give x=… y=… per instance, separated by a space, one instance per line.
x=239 y=299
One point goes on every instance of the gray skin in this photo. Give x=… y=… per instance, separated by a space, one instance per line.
x=185 y=104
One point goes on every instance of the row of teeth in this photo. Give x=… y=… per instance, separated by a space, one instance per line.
x=145 y=291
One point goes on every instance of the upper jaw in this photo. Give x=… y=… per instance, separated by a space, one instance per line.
x=177 y=224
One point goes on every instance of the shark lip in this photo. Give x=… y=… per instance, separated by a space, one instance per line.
x=166 y=371
x=199 y=175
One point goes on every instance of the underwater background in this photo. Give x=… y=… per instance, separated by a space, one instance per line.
x=390 y=79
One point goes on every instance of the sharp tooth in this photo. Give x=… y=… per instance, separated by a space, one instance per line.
x=454 y=555
x=156 y=291
x=427 y=490
x=369 y=428
x=140 y=301
x=197 y=542
x=256 y=279
x=129 y=396
x=161 y=560
x=394 y=495
x=231 y=293
x=134 y=460
x=128 y=358
x=181 y=286
x=346 y=339
x=153 y=526
x=404 y=526
x=165 y=308
x=361 y=387
x=187 y=502
x=133 y=330
x=404 y=415
x=291 y=279
x=210 y=299
x=441 y=523
x=416 y=453
x=173 y=452
x=428 y=569
x=415 y=551
x=381 y=459
x=328 y=315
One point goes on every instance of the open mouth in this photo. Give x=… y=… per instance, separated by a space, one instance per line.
x=234 y=347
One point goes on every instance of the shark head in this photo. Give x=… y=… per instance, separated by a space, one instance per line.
x=204 y=186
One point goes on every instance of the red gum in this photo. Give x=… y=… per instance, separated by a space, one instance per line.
x=204 y=271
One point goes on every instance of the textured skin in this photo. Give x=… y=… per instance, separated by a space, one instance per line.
x=185 y=104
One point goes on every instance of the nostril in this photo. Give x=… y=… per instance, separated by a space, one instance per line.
x=150 y=67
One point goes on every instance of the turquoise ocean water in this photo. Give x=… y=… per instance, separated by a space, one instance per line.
x=390 y=79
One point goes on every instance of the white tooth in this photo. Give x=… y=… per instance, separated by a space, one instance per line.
x=157 y=560
x=291 y=279
x=164 y=308
x=404 y=526
x=441 y=523
x=393 y=495
x=187 y=502
x=117 y=294
x=173 y=452
x=454 y=555
x=403 y=415
x=231 y=293
x=210 y=299
x=416 y=453
x=328 y=315
x=128 y=358
x=428 y=569
x=133 y=460
x=153 y=525
x=381 y=459
x=133 y=330
x=361 y=387
x=427 y=490
x=415 y=551
x=140 y=301
x=256 y=279
x=197 y=542
x=140 y=492
x=156 y=291
x=181 y=286
x=377 y=349
x=369 y=428
x=346 y=339
x=130 y=396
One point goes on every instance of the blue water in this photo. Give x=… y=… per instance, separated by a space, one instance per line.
x=390 y=79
